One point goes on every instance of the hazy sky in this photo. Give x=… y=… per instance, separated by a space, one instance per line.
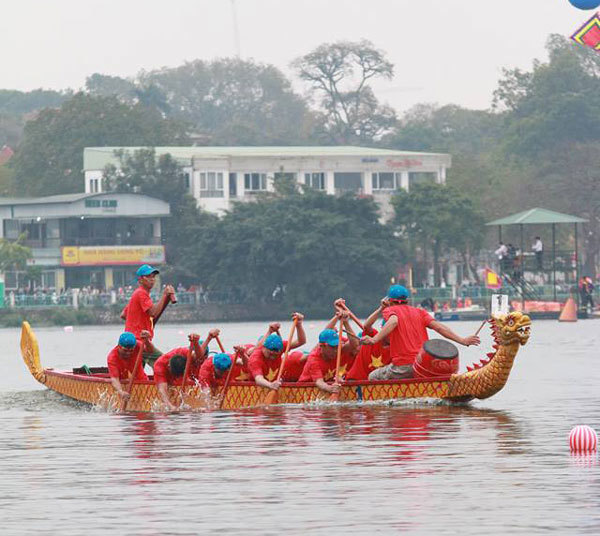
x=444 y=51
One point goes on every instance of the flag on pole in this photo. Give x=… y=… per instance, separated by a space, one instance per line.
x=589 y=34
x=492 y=279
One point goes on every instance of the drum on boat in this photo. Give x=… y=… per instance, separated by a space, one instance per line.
x=437 y=357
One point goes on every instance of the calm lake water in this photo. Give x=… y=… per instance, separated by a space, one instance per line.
x=496 y=466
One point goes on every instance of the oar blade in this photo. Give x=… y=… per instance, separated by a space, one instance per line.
x=272 y=397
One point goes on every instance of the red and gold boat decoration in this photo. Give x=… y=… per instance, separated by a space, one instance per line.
x=482 y=380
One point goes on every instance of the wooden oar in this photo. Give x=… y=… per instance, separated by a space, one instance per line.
x=481 y=327
x=172 y=299
x=273 y=396
x=137 y=364
x=188 y=365
x=352 y=316
x=228 y=378
x=336 y=396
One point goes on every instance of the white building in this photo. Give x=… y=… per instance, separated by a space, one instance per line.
x=217 y=176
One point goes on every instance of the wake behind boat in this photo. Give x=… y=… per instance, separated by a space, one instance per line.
x=483 y=380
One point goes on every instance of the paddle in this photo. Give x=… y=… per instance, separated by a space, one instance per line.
x=228 y=378
x=336 y=396
x=186 y=372
x=172 y=299
x=137 y=364
x=273 y=395
x=351 y=315
x=481 y=327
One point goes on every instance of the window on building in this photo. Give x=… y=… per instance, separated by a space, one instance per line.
x=11 y=229
x=385 y=181
x=348 y=182
x=417 y=177
x=187 y=180
x=211 y=184
x=255 y=182
x=94 y=185
x=315 y=180
x=233 y=185
x=49 y=279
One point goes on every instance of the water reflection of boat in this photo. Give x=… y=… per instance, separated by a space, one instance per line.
x=484 y=380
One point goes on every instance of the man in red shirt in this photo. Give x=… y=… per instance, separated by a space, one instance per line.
x=370 y=356
x=321 y=363
x=121 y=362
x=265 y=360
x=170 y=367
x=406 y=327
x=140 y=312
x=214 y=370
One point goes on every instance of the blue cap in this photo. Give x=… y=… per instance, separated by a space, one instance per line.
x=127 y=340
x=397 y=292
x=329 y=336
x=221 y=361
x=273 y=342
x=146 y=269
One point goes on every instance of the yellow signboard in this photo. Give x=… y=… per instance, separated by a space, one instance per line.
x=111 y=255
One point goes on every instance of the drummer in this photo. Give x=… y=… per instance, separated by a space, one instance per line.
x=406 y=327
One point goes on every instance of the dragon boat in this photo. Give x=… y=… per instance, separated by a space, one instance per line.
x=482 y=380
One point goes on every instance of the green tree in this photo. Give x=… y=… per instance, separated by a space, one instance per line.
x=230 y=102
x=557 y=102
x=340 y=73
x=50 y=157
x=18 y=103
x=437 y=218
x=306 y=249
x=13 y=255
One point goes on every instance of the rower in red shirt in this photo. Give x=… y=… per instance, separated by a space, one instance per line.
x=321 y=363
x=370 y=356
x=214 y=370
x=168 y=368
x=265 y=360
x=406 y=327
x=121 y=362
x=140 y=312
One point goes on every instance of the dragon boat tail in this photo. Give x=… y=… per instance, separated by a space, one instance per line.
x=93 y=386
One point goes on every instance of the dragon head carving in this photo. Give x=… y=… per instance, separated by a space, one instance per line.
x=511 y=328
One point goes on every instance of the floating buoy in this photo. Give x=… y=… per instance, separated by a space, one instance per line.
x=68 y=329
x=583 y=439
x=569 y=312
x=585 y=4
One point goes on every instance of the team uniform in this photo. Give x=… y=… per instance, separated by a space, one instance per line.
x=123 y=368
x=136 y=313
x=207 y=376
x=258 y=365
x=410 y=334
x=162 y=373
x=369 y=358
x=318 y=368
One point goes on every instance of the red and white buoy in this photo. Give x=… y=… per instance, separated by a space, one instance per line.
x=583 y=439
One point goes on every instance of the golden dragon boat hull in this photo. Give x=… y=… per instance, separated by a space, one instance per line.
x=483 y=381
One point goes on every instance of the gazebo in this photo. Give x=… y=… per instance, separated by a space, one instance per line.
x=541 y=216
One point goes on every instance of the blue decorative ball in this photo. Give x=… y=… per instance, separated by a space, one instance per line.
x=585 y=4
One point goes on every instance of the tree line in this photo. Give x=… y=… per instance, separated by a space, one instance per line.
x=536 y=146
